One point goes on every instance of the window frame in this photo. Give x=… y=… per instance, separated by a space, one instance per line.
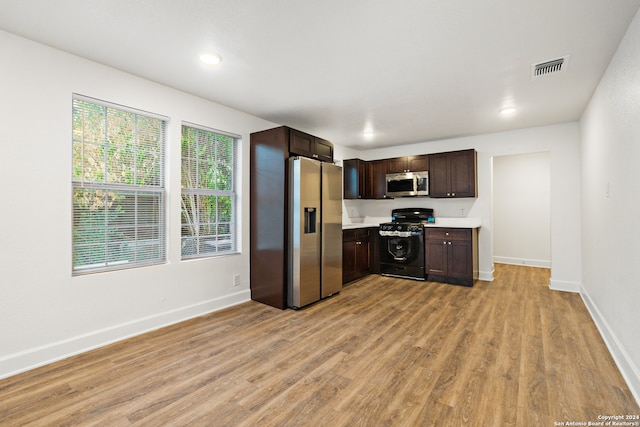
x=145 y=251
x=198 y=241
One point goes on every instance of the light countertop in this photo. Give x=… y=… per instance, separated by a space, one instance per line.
x=456 y=223
x=359 y=225
x=440 y=222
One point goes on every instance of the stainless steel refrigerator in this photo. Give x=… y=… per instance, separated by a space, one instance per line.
x=315 y=231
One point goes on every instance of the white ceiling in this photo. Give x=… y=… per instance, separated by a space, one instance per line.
x=413 y=70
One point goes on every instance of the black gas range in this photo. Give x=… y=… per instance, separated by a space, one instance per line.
x=402 y=243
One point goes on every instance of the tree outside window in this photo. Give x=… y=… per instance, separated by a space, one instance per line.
x=208 y=192
x=118 y=187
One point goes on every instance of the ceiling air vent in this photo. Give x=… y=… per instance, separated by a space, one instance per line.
x=549 y=67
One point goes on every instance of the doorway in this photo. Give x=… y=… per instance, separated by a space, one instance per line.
x=522 y=210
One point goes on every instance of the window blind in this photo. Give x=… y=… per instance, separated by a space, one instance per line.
x=208 y=192
x=118 y=187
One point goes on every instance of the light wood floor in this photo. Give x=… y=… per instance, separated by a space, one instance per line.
x=384 y=352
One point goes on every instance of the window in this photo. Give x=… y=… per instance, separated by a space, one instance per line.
x=208 y=192
x=118 y=187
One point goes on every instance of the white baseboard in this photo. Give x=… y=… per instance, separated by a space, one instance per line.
x=42 y=355
x=630 y=372
x=561 y=285
x=486 y=276
x=522 y=261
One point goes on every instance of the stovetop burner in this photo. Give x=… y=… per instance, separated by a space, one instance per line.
x=407 y=222
x=412 y=215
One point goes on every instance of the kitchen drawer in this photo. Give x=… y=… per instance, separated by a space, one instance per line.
x=448 y=233
x=356 y=234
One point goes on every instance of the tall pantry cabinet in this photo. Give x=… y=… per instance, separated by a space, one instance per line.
x=269 y=189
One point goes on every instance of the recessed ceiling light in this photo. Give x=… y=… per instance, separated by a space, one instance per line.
x=507 y=111
x=210 y=58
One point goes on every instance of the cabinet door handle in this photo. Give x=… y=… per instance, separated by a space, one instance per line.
x=453 y=194
x=444 y=243
x=449 y=242
x=448 y=194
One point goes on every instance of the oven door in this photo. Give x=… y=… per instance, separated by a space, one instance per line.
x=402 y=256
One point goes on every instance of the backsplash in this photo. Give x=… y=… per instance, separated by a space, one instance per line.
x=377 y=211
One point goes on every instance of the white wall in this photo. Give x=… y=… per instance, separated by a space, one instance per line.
x=521 y=209
x=45 y=313
x=562 y=143
x=610 y=147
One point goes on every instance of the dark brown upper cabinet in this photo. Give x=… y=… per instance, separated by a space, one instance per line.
x=306 y=145
x=408 y=164
x=364 y=180
x=453 y=174
x=377 y=180
x=354 y=179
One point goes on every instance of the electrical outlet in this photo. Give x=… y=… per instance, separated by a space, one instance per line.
x=236 y=280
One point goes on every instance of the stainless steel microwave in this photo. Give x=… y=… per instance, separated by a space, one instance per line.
x=408 y=184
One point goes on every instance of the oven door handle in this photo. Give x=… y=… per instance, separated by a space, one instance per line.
x=395 y=233
x=399 y=259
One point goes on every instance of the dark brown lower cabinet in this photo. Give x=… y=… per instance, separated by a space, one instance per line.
x=356 y=253
x=452 y=255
